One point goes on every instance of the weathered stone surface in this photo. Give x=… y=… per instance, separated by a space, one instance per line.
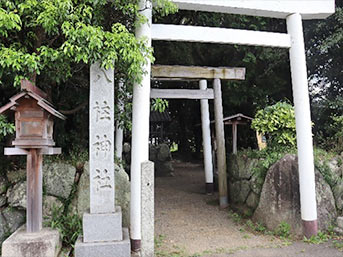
x=326 y=208
x=147 y=209
x=45 y=243
x=163 y=153
x=17 y=195
x=340 y=222
x=10 y=220
x=252 y=200
x=336 y=167
x=15 y=176
x=49 y=204
x=244 y=191
x=14 y=218
x=241 y=167
x=104 y=249
x=122 y=188
x=3 y=200
x=338 y=194
x=4 y=230
x=81 y=200
x=102 y=227
x=3 y=185
x=58 y=179
x=280 y=198
x=101 y=139
x=256 y=182
x=234 y=190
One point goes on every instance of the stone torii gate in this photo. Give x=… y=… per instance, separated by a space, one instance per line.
x=293 y=12
x=201 y=74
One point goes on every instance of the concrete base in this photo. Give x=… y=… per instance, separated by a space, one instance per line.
x=46 y=243
x=102 y=227
x=104 y=249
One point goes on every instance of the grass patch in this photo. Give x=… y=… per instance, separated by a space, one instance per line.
x=317 y=239
x=69 y=225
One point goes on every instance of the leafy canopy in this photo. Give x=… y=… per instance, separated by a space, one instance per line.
x=48 y=37
x=278 y=123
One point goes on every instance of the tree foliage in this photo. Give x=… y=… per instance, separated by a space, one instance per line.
x=6 y=128
x=50 y=37
x=278 y=123
x=53 y=43
x=324 y=43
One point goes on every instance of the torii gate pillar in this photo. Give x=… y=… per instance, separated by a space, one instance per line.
x=140 y=130
x=303 y=125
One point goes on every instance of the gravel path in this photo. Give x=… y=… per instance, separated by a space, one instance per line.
x=189 y=223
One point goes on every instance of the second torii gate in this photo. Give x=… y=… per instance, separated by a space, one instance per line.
x=189 y=73
x=293 y=12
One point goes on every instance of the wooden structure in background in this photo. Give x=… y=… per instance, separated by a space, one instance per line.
x=178 y=72
x=34 y=138
x=201 y=74
x=159 y=121
x=235 y=120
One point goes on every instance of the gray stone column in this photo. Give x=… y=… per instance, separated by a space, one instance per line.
x=103 y=235
x=148 y=197
x=101 y=140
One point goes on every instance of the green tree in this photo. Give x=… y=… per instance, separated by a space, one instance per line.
x=324 y=41
x=53 y=43
x=278 y=123
x=6 y=128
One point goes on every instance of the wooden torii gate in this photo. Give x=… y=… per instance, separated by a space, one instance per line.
x=293 y=12
x=201 y=74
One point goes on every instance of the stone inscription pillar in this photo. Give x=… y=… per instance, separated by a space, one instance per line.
x=101 y=140
x=103 y=235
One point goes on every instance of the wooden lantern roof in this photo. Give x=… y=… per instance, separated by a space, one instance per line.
x=43 y=103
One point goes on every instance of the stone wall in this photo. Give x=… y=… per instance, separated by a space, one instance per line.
x=271 y=195
x=245 y=181
x=64 y=187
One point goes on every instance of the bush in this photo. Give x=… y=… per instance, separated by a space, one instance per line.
x=277 y=122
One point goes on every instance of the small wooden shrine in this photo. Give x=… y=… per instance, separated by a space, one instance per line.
x=235 y=120
x=34 y=138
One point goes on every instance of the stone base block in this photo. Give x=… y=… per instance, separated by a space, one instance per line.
x=104 y=249
x=340 y=222
x=46 y=243
x=102 y=227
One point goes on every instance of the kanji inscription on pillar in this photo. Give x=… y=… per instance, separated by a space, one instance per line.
x=101 y=152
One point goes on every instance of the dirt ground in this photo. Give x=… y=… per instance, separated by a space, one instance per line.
x=189 y=223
